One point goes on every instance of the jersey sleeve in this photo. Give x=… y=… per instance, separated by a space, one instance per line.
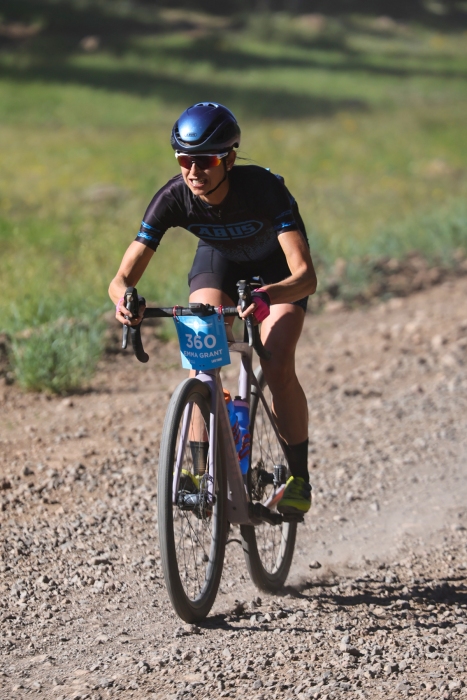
x=160 y=215
x=285 y=222
x=281 y=206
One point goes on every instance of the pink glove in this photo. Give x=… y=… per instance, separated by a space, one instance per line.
x=261 y=298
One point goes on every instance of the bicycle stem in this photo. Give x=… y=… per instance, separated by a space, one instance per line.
x=132 y=304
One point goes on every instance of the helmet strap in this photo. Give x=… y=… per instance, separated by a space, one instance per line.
x=219 y=183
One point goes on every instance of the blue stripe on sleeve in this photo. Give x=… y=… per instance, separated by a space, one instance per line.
x=285 y=224
x=142 y=234
x=146 y=226
x=148 y=240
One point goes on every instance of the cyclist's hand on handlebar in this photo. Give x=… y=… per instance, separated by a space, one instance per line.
x=259 y=308
x=248 y=312
x=125 y=317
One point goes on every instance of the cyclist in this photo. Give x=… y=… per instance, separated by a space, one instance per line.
x=248 y=224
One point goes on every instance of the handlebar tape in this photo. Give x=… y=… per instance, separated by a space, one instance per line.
x=254 y=339
x=132 y=302
x=137 y=343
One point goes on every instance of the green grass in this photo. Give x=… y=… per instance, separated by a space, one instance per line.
x=57 y=356
x=366 y=124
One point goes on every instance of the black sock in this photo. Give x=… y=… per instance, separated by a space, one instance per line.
x=199 y=455
x=297 y=457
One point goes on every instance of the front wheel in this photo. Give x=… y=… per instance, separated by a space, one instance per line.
x=268 y=549
x=192 y=532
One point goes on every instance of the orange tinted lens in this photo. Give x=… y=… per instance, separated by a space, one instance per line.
x=184 y=161
x=202 y=162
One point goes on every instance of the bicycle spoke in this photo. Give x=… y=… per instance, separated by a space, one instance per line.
x=269 y=548
x=192 y=539
x=195 y=538
x=267 y=451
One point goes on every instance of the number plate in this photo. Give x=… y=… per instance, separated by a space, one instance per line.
x=203 y=342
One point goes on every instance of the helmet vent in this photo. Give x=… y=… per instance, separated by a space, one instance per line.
x=179 y=139
x=212 y=127
x=216 y=127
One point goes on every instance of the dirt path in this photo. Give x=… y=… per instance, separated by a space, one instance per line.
x=376 y=605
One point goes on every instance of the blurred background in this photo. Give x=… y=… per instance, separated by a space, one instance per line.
x=360 y=105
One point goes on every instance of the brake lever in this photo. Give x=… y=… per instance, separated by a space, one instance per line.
x=244 y=298
x=254 y=339
x=132 y=302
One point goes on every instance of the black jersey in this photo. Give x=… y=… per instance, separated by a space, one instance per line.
x=245 y=226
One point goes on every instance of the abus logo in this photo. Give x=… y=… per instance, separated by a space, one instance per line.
x=244 y=229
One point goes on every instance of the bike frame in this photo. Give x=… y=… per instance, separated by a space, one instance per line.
x=238 y=501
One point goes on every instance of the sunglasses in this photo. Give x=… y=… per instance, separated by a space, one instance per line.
x=204 y=161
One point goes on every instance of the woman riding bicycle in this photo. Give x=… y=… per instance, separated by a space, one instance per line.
x=248 y=224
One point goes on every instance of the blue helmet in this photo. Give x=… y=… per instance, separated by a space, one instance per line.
x=206 y=127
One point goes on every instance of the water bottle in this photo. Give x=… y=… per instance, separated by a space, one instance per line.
x=233 y=420
x=242 y=411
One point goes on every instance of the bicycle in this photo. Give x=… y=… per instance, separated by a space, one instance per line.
x=200 y=485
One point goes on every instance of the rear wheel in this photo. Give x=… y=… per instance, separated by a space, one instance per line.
x=268 y=549
x=192 y=533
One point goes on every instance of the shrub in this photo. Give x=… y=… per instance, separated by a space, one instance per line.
x=57 y=357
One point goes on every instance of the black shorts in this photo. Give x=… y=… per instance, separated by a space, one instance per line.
x=211 y=270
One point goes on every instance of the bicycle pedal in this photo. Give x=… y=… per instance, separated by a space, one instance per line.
x=261 y=513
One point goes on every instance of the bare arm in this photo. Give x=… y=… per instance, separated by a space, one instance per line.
x=132 y=267
x=302 y=281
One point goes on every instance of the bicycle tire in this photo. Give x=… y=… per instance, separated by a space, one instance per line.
x=192 y=542
x=268 y=549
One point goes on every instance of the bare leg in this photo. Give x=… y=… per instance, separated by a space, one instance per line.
x=216 y=298
x=280 y=333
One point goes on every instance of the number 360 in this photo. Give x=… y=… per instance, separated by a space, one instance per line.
x=195 y=341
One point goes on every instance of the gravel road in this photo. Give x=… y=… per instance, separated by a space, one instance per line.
x=376 y=603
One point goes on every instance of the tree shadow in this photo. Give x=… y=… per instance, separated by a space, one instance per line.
x=65 y=24
x=68 y=15
x=254 y=101
x=352 y=61
x=45 y=58
x=73 y=19
x=448 y=17
x=49 y=62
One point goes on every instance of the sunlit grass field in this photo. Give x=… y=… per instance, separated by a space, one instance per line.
x=367 y=123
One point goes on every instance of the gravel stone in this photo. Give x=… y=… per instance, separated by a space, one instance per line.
x=375 y=603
